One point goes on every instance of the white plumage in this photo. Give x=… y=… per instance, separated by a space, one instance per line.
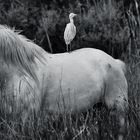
x=70 y=30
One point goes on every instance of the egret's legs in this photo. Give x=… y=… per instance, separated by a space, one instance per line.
x=67 y=48
x=70 y=48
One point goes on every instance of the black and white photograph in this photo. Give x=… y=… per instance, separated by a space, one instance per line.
x=69 y=70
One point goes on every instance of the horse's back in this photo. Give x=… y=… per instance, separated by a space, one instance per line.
x=83 y=74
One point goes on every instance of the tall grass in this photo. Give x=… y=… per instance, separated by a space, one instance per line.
x=101 y=25
x=104 y=25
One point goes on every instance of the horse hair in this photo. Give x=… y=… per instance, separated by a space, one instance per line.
x=19 y=51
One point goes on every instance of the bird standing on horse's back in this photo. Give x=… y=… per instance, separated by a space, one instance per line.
x=70 y=31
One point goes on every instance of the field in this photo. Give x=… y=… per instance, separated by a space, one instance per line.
x=109 y=25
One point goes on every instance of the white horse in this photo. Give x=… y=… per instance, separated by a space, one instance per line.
x=67 y=82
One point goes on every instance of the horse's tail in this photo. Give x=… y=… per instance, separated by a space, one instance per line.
x=122 y=65
x=18 y=51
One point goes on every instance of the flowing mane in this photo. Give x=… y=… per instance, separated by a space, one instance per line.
x=17 y=50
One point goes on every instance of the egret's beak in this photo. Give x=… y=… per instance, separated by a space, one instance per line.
x=75 y=15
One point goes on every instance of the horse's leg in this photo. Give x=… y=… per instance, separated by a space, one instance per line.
x=121 y=118
x=117 y=99
x=122 y=125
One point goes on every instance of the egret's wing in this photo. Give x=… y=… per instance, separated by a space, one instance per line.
x=69 y=33
x=73 y=30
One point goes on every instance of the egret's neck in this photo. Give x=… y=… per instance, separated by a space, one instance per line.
x=71 y=20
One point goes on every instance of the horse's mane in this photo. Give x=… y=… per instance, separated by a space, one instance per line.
x=17 y=50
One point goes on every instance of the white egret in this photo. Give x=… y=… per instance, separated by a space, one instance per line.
x=70 y=31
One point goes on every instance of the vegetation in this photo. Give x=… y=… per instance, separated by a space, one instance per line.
x=109 y=25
